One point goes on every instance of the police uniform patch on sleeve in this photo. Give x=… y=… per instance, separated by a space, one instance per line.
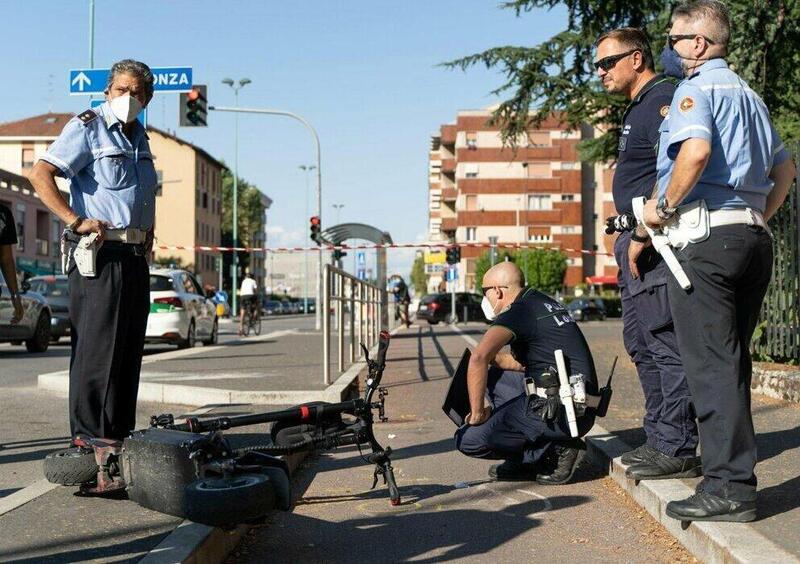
x=664 y=111
x=686 y=104
x=87 y=116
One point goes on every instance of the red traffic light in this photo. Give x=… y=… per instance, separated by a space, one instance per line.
x=315 y=220
x=193 y=94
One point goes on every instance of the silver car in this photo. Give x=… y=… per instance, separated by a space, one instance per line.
x=34 y=327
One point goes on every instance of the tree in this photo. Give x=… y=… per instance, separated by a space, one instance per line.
x=557 y=76
x=544 y=269
x=169 y=262
x=419 y=279
x=484 y=263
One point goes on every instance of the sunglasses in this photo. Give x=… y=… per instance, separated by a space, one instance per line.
x=608 y=63
x=673 y=39
x=485 y=289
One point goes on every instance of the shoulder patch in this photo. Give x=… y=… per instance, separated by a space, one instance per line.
x=664 y=111
x=686 y=104
x=87 y=117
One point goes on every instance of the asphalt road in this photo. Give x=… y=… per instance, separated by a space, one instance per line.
x=19 y=368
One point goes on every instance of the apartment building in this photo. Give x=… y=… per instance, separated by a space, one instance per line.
x=540 y=194
x=188 y=203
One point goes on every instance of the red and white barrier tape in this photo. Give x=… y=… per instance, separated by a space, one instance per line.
x=371 y=246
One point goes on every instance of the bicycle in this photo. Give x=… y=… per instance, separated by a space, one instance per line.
x=252 y=317
x=192 y=471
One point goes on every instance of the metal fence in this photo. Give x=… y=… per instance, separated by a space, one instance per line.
x=777 y=337
x=354 y=310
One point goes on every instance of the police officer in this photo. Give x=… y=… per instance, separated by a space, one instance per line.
x=8 y=238
x=718 y=145
x=528 y=432
x=106 y=155
x=625 y=65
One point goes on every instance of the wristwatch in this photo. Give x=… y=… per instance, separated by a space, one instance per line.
x=662 y=208
x=74 y=225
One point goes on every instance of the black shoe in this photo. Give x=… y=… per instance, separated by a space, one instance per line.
x=510 y=471
x=663 y=467
x=704 y=506
x=638 y=455
x=562 y=460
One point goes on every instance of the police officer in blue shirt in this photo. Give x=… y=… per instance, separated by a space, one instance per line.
x=624 y=63
x=106 y=156
x=718 y=145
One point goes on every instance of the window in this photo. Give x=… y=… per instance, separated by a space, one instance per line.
x=472 y=140
x=566 y=229
x=539 y=202
x=538 y=170
x=20 y=227
x=568 y=166
x=472 y=203
x=56 y=237
x=568 y=197
x=539 y=139
x=42 y=233
x=27 y=157
x=539 y=235
x=160 y=180
x=472 y=233
x=471 y=170
x=205 y=200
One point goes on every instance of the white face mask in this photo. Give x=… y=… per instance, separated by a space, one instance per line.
x=488 y=310
x=125 y=108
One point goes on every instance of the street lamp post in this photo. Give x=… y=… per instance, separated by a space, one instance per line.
x=338 y=208
x=318 y=309
x=235 y=220
x=306 y=168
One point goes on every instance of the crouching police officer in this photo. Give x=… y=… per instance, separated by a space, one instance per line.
x=530 y=432
x=105 y=154
x=720 y=152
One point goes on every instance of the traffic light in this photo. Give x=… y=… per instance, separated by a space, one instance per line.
x=194 y=107
x=315 y=230
x=338 y=254
x=453 y=255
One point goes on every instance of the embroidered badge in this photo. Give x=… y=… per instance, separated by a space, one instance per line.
x=664 y=111
x=686 y=104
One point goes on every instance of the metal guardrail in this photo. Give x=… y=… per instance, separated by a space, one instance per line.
x=357 y=313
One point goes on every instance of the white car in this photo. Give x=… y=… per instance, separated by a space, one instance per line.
x=179 y=312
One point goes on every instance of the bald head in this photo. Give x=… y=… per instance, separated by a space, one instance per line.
x=504 y=274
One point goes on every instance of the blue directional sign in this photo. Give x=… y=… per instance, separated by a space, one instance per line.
x=142 y=117
x=166 y=79
x=452 y=273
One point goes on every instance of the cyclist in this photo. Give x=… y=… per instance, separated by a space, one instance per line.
x=248 y=293
x=401 y=297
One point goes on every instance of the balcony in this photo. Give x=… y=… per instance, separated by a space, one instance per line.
x=449 y=224
x=543 y=216
x=449 y=194
x=449 y=134
x=448 y=166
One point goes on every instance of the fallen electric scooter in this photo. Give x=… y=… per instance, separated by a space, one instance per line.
x=192 y=471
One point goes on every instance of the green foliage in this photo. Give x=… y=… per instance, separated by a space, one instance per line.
x=169 y=262
x=557 y=76
x=250 y=210
x=544 y=269
x=418 y=279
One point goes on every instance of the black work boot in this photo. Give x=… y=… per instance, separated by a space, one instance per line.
x=663 y=467
x=562 y=460
x=703 y=506
x=640 y=454
x=510 y=471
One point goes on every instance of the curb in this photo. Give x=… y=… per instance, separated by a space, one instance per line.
x=708 y=542
x=778 y=384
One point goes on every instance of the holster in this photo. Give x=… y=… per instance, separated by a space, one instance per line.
x=690 y=224
x=82 y=249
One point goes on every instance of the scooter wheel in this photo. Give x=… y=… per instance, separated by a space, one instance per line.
x=70 y=467
x=223 y=502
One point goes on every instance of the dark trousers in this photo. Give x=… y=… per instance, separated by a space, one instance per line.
x=515 y=431
x=715 y=320
x=649 y=337
x=108 y=313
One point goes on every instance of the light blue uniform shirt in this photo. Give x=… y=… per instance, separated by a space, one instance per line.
x=716 y=105
x=112 y=178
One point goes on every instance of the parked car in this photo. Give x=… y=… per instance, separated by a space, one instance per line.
x=180 y=313
x=34 y=327
x=585 y=309
x=55 y=290
x=312 y=305
x=272 y=307
x=434 y=308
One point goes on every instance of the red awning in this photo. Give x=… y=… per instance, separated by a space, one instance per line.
x=602 y=280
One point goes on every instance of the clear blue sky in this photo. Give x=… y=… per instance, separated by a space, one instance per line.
x=363 y=72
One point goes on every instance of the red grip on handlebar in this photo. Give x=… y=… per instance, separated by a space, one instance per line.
x=383 y=346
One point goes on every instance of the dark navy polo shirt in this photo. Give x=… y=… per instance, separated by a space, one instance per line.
x=635 y=174
x=541 y=325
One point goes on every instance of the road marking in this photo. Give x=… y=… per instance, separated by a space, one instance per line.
x=464 y=336
x=169 y=355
